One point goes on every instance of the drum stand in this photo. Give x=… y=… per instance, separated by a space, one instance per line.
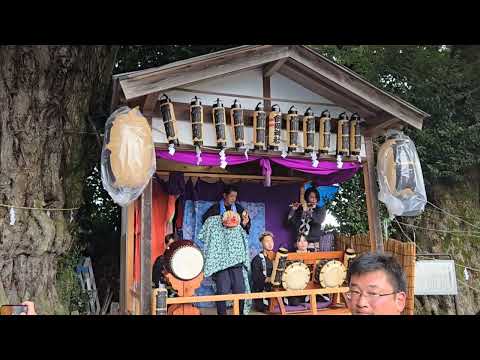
x=337 y=306
x=184 y=289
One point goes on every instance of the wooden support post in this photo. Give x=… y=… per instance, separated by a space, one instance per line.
x=123 y=262
x=146 y=238
x=385 y=122
x=126 y=259
x=371 y=193
x=146 y=251
x=236 y=307
x=313 y=303
x=267 y=104
x=281 y=305
x=149 y=105
x=129 y=301
x=337 y=298
x=273 y=67
x=115 y=95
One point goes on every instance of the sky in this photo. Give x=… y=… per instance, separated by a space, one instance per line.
x=330 y=220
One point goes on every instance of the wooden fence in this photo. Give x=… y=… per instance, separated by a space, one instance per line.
x=403 y=252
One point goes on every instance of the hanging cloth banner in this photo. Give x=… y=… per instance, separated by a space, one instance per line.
x=327 y=170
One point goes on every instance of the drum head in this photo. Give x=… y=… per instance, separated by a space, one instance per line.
x=186 y=263
x=333 y=274
x=296 y=276
x=390 y=169
x=131 y=150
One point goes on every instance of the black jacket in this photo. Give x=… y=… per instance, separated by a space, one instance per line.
x=315 y=225
x=215 y=210
x=258 y=279
x=158 y=267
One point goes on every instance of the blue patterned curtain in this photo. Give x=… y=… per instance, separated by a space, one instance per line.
x=192 y=223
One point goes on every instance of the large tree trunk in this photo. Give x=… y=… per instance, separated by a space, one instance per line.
x=46 y=96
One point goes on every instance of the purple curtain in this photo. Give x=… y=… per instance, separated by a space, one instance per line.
x=327 y=171
x=276 y=200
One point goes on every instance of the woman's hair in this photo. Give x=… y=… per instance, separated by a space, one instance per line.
x=229 y=188
x=309 y=191
x=299 y=236
x=266 y=233
x=169 y=237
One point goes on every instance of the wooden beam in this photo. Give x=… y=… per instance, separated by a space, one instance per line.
x=315 y=255
x=322 y=157
x=261 y=295
x=135 y=87
x=267 y=104
x=245 y=96
x=272 y=68
x=129 y=257
x=151 y=101
x=235 y=176
x=146 y=251
x=385 y=122
x=123 y=262
x=146 y=226
x=182 y=111
x=187 y=63
x=115 y=95
x=236 y=307
x=313 y=304
x=371 y=194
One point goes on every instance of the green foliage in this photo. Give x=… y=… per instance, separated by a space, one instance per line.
x=444 y=81
x=138 y=57
x=99 y=219
x=349 y=206
x=100 y=209
x=67 y=283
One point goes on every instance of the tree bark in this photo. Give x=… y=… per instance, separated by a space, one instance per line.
x=47 y=94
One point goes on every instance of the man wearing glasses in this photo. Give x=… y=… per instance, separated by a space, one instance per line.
x=377 y=286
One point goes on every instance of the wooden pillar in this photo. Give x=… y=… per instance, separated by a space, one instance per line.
x=130 y=244
x=126 y=259
x=371 y=193
x=267 y=104
x=146 y=251
x=115 y=95
x=146 y=225
x=123 y=263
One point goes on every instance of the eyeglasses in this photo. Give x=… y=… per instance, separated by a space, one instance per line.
x=371 y=297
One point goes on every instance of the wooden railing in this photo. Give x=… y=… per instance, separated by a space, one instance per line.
x=236 y=298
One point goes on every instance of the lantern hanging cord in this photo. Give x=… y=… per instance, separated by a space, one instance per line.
x=469 y=233
x=465 y=284
x=432 y=258
x=401 y=228
x=65 y=131
x=34 y=208
x=241 y=96
x=468 y=267
x=454 y=216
